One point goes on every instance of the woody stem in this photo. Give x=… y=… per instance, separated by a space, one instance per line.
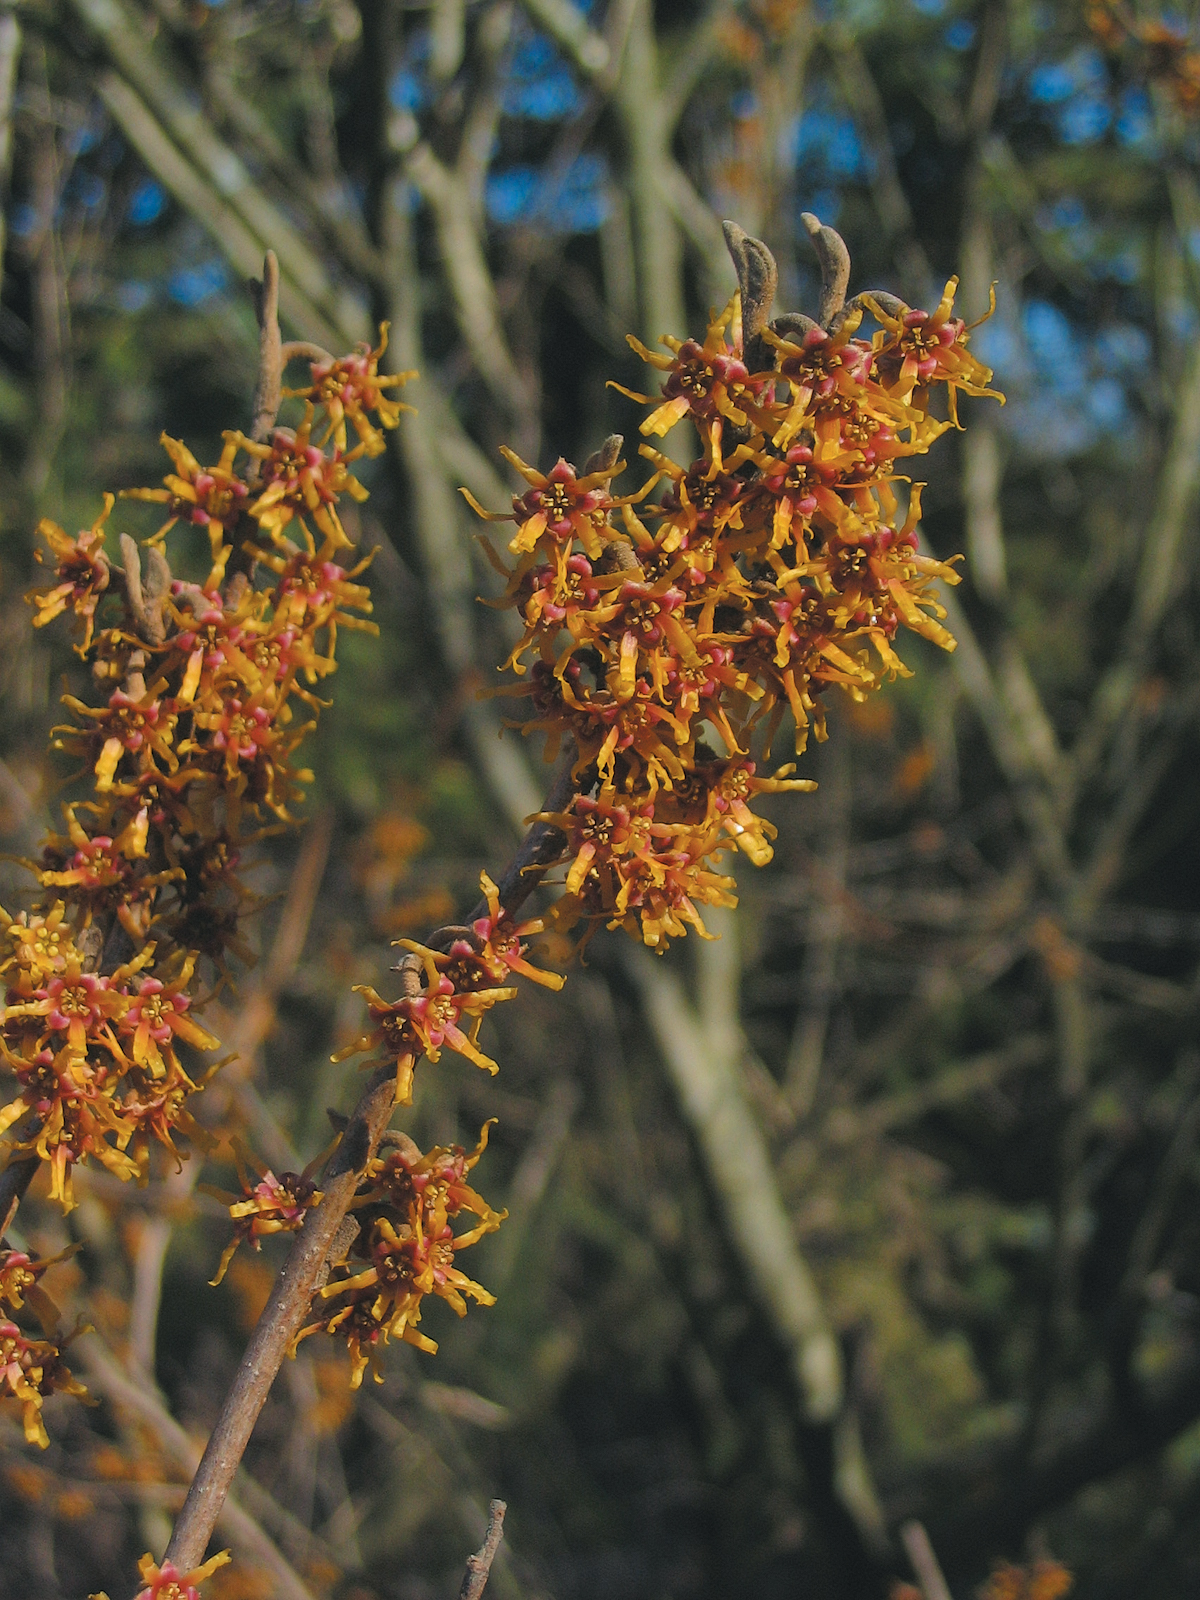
x=279 y=1324
x=294 y=1287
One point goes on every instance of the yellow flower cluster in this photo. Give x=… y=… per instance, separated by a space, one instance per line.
x=779 y=564
x=204 y=693
x=32 y=1368
x=405 y=1249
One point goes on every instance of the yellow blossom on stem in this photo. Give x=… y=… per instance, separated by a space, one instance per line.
x=31 y=1369
x=270 y=1205
x=212 y=498
x=82 y=571
x=350 y=389
x=405 y=1250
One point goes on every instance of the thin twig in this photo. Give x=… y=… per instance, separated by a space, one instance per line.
x=269 y=390
x=480 y=1564
x=924 y=1562
x=539 y=849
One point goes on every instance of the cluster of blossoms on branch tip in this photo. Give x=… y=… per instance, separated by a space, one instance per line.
x=203 y=693
x=777 y=565
x=667 y=636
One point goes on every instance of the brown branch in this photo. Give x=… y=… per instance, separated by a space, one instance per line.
x=243 y=1525
x=279 y=1324
x=480 y=1564
x=924 y=1562
x=539 y=849
x=269 y=391
x=315 y=1243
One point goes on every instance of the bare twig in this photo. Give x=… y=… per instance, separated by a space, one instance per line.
x=201 y=199
x=480 y=1564
x=269 y=390
x=540 y=847
x=924 y=1562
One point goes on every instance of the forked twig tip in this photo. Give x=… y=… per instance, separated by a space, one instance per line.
x=479 y=1565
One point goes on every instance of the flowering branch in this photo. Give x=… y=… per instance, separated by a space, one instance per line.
x=768 y=573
